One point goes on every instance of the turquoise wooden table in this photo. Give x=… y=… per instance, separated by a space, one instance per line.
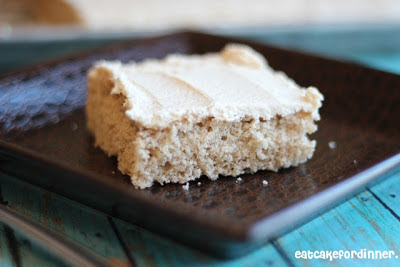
x=369 y=220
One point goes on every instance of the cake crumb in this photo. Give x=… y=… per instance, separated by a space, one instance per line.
x=239 y=180
x=199 y=183
x=186 y=186
x=265 y=182
x=332 y=144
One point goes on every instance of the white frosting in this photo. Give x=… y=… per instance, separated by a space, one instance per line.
x=230 y=85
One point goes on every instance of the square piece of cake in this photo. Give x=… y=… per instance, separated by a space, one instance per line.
x=176 y=119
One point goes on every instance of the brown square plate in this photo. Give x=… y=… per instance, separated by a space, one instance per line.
x=43 y=140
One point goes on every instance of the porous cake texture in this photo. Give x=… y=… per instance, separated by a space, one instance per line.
x=175 y=119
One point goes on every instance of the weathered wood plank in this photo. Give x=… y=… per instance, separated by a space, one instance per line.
x=33 y=255
x=389 y=192
x=360 y=223
x=149 y=249
x=81 y=224
x=6 y=257
x=15 y=250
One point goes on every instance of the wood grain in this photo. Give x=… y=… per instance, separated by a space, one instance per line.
x=86 y=226
x=32 y=255
x=362 y=222
x=6 y=258
x=389 y=193
x=149 y=249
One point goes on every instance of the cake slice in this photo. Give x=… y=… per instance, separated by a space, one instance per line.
x=226 y=113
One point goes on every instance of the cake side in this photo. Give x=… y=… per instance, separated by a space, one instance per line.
x=183 y=153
